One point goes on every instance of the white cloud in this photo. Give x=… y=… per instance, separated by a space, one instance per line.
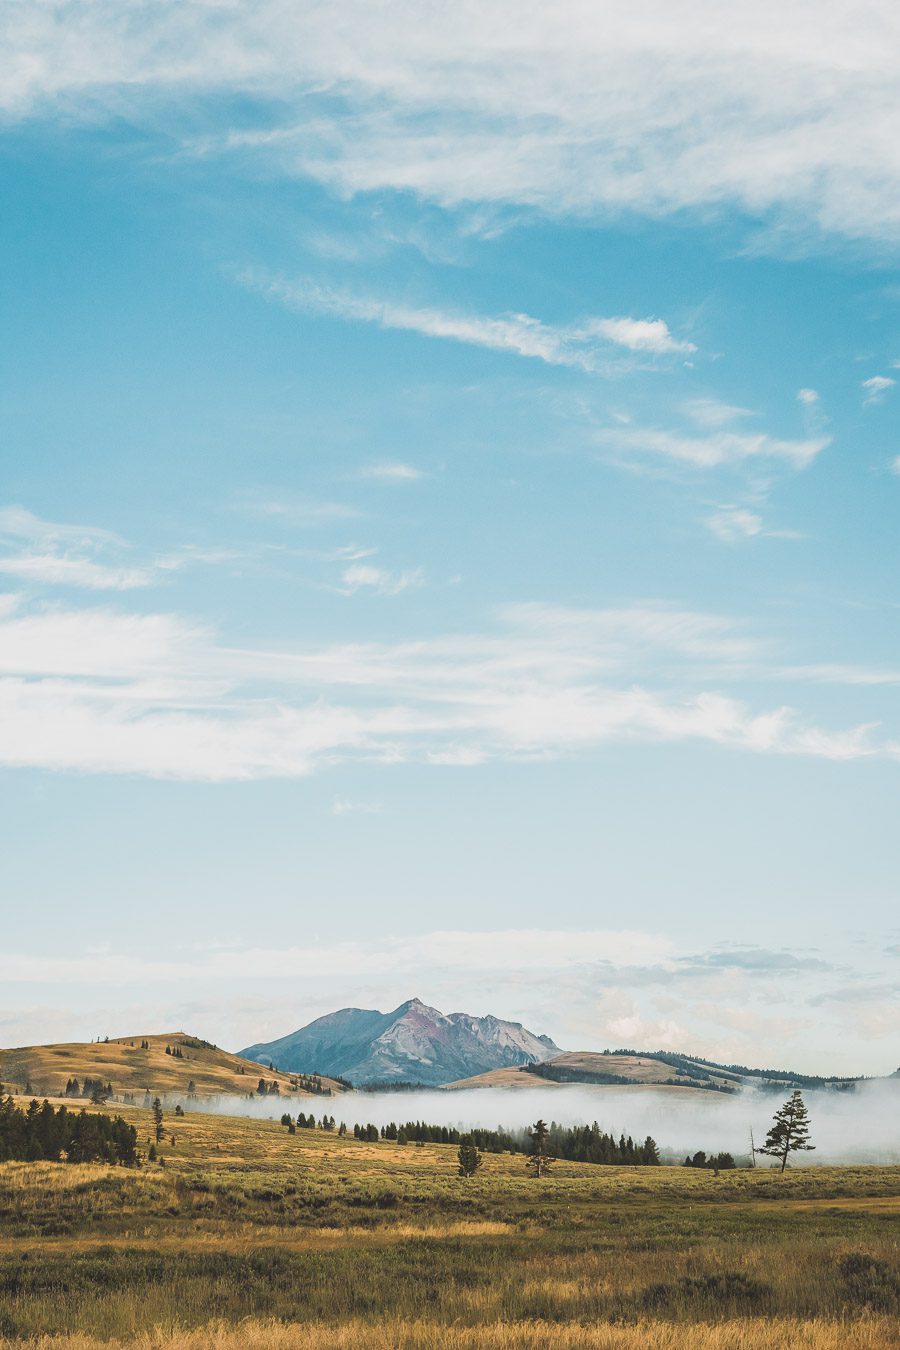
x=570 y=108
x=895 y=464
x=50 y=569
x=731 y=523
x=585 y=346
x=710 y=412
x=97 y=690
x=365 y=576
x=638 y=335
x=876 y=388
x=64 y=555
x=393 y=472
x=524 y=949
x=20 y=523
x=710 y=451
x=86 y=557
x=343 y=806
x=809 y=397
x=300 y=511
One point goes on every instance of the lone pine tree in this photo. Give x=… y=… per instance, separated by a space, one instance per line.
x=469 y=1158
x=789 y=1131
x=540 y=1160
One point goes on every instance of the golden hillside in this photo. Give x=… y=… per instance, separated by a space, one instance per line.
x=590 y=1068
x=133 y=1069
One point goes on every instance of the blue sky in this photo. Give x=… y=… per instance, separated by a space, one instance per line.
x=448 y=522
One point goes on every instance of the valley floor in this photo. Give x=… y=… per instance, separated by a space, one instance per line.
x=246 y=1236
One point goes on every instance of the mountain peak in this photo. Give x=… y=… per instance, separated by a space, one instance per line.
x=414 y=1043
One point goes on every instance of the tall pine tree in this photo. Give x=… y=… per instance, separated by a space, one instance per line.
x=789 y=1131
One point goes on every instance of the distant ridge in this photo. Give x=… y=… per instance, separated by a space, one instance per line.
x=414 y=1043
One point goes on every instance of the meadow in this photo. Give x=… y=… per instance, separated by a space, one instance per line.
x=243 y=1235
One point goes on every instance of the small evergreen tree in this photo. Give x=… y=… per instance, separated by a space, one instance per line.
x=157 y=1119
x=789 y=1131
x=469 y=1158
x=539 y=1161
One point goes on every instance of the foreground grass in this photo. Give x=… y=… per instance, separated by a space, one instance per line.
x=742 y=1334
x=347 y=1243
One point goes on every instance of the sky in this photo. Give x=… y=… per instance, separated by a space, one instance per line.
x=449 y=481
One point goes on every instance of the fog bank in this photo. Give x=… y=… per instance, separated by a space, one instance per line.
x=847 y=1127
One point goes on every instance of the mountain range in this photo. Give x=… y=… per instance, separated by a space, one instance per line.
x=414 y=1043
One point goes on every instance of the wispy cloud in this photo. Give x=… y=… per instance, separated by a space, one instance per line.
x=367 y=577
x=547 y=108
x=65 y=555
x=103 y=691
x=876 y=388
x=295 y=510
x=50 y=569
x=392 y=472
x=344 y=806
x=732 y=523
x=585 y=345
x=710 y=451
x=712 y=412
x=524 y=949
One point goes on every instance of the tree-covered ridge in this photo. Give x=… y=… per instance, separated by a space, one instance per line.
x=570 y=1073
x=694 y=1066
x=39 y=1132
x=578 y=1143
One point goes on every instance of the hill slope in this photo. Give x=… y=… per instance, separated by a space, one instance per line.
x=134 y=1070
x=606 y=1070
x=630 y=1068
x=413 y=1043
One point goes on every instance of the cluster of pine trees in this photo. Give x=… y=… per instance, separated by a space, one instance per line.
x=40 y=1133
x=175 y=1051
x=94 y=1088
x=718 y=1162
x=311 y=1082
x=588 y=1143
x=309 y=1122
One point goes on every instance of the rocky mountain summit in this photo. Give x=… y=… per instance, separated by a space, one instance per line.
x=414 y=1043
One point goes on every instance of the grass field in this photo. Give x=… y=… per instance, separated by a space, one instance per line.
x=246 y=1236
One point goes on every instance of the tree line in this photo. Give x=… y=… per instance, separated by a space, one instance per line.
x=578 y=1143
x=40 y=1133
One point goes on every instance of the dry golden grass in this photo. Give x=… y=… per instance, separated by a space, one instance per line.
x=340 y=1242
x=880 y=1333
x=132 y=1069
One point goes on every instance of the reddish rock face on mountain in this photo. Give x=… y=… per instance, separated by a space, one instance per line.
x=414 y=1043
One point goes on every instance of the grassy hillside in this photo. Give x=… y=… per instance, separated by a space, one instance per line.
x=623 y=1070
x=322 y=1241
x=134 y=1070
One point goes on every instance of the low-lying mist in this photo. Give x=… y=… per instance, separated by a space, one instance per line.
x=859 y=1126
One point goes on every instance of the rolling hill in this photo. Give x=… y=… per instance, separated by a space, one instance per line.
x=414 y=1043
x=633 y=1068
x=135 y=1065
